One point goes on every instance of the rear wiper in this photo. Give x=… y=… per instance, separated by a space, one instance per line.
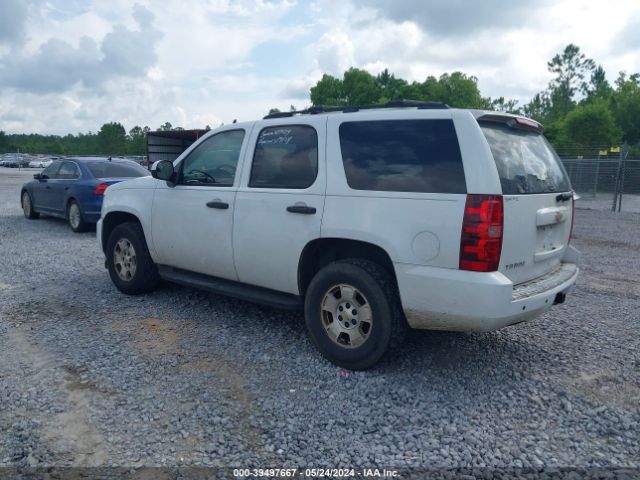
x=564 y=197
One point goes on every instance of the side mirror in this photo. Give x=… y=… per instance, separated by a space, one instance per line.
x=163 y=170
x=39 y=176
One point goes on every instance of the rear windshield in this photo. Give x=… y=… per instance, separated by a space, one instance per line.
x=526 y=162
x=116 y=170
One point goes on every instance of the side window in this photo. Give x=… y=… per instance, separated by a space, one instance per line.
x=68 y=171
x=285 y=157
x=402 y=156
x=213 y=163
x=52 y=170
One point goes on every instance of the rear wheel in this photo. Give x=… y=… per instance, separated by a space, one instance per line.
x=130 y=265
x=75 y=217
x=27 y=206
x=353 y=313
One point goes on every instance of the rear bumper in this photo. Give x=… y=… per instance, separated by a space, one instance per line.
x=447 y=299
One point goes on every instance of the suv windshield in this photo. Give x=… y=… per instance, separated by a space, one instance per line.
x=116 y=170
x=526 y=162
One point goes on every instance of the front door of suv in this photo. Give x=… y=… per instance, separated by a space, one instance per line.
x=192 y=221
x=280 y=201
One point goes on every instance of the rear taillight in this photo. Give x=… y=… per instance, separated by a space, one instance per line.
x=101 y=188
x=481 y=239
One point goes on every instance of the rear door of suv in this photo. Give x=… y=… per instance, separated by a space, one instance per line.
x=537 y=196
x=280 y=202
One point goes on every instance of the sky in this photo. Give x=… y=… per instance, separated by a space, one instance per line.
x=69 y=66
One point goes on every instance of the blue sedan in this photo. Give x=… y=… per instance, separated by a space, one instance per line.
x=73 y=188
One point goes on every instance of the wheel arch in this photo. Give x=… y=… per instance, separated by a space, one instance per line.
x=67 y=204
x=320 y=252
x=111 y=221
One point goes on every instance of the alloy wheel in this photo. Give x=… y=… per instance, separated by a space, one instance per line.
x=346 y=316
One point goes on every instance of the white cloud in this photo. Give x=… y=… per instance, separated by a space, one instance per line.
x=72 y=65
x=58 y=65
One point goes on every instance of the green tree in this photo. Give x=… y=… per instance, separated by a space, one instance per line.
x=359 y=87
x=572 y=69
x=328 y=91
x=391 y=88
x=112 y=139
x=599 y=87
x=625 y=104
x=590 y=126
x=460 y=90
x=4 y=142
x=135 y=140
x=500 y=104
x=165 y=127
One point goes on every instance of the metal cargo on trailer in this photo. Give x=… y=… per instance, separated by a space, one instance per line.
x=169 y=144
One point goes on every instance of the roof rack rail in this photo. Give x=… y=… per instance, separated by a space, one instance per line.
x=399 y=103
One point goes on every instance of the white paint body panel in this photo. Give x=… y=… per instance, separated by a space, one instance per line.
x=256 y=241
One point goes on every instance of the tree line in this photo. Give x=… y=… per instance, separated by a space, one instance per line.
x=111 y=139
x=581 y=111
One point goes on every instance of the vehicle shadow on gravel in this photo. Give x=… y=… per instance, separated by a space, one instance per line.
x=53 y=222
x=476 y=357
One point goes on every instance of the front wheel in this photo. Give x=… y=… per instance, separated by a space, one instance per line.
x=130 y=265
x=353 y=313
x=27 y=206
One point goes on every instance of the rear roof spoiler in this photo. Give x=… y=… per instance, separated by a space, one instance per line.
x=520 y=123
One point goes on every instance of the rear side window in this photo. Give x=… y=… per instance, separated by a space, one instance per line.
x=116 y=170
x=402 y=156
x=526 y=162
x=285 y=157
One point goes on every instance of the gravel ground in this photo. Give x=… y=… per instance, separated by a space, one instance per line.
x=91 y=377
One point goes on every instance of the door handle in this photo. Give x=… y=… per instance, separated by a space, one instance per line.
x=218 y=204
x=301 y=209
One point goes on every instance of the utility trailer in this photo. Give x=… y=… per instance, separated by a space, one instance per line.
x=169 y=144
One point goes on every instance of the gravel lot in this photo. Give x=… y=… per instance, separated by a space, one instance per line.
x=92 y=377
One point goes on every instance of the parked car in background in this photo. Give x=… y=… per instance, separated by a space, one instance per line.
x=39 y=163
x=369 y=219
x=10 y=162
x=73 y=188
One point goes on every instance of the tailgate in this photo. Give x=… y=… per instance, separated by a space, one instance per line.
x=536 y=234
x=537 y=196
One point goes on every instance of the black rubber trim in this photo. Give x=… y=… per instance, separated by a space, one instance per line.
x=230 y=288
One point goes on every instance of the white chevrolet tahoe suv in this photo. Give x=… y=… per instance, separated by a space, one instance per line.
x=372 y=220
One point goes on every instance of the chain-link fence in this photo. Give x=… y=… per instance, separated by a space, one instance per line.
x=606 y=183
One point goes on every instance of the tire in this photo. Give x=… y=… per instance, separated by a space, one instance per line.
x=27 y=206
x=363 y=343
x=74 y=216
x=143 y=277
